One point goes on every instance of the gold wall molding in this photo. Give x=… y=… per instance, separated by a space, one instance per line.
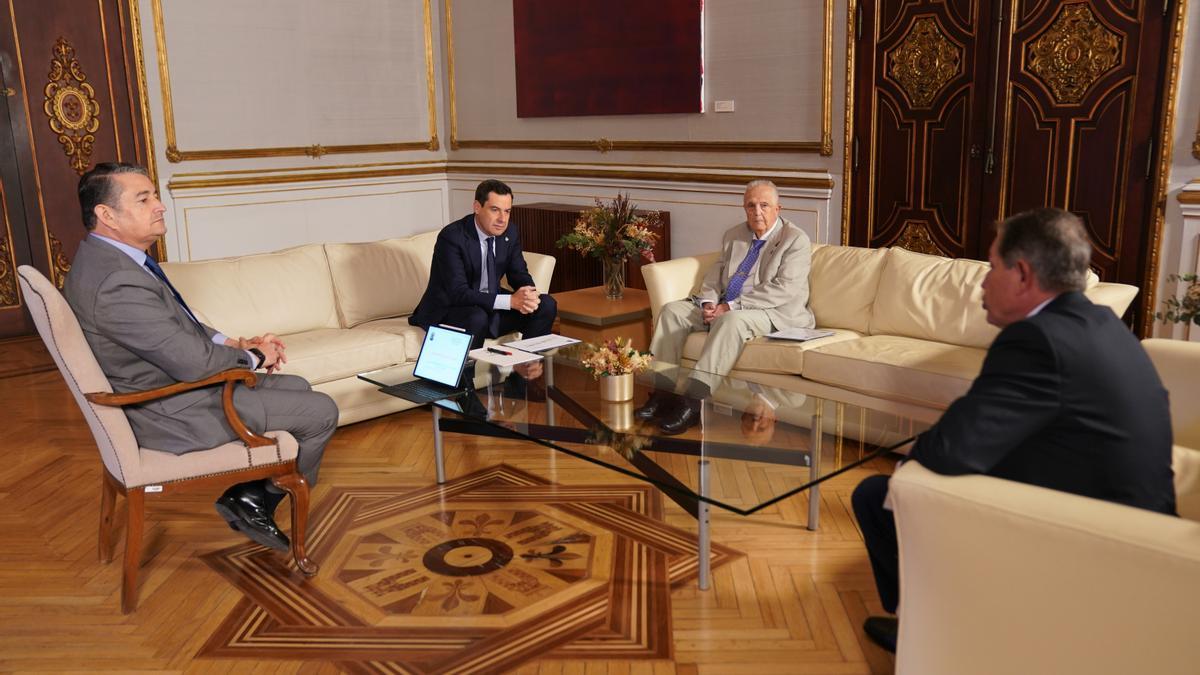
x=1190 y=196
x=924 y=61
x=1163 y=173
x=735 y=176
x=175 y=154
x=823 y=146
x=1073 y=53
x=8 y=273
x=61 y=264
x=70 y=106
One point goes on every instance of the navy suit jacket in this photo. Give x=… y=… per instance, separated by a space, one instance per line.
x=1067 y=400
x=457 y=267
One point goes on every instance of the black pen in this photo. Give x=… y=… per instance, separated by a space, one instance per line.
x=499 y=351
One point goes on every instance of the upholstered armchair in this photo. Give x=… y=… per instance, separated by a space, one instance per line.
x=1003 y=577
x=142 y=474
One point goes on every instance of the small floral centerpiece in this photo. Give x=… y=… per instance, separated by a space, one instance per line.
x=613 y=363
x=1186 y=309
x=614 y=234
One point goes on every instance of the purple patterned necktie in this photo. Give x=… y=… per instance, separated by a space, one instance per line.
x=734 y=289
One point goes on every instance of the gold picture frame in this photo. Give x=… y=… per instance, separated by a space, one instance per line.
x=175 y=154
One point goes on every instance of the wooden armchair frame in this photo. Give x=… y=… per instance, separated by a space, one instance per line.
x=283 y=474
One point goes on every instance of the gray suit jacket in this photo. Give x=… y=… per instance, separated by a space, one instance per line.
x=144 y=339
x=781 y=280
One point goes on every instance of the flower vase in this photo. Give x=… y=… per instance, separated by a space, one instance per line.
x=614 y=279
x=616 y=387
x=618 y=415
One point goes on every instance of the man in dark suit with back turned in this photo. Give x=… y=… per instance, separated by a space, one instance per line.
x=144 y=337
x=470 y=257
x=1067 y=398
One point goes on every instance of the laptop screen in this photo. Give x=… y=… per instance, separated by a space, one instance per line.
x=442 y=355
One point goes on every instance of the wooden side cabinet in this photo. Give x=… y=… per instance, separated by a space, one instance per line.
x=587 y=315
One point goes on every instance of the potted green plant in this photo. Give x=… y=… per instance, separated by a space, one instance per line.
x=1183 y=309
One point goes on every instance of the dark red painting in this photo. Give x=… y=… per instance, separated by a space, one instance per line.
x=607 y=57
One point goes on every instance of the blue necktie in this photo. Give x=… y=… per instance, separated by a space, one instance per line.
x=157 y=271
x=734 y=289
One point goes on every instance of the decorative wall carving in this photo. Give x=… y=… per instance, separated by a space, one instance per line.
x=1073 y=53
x=924 y=61
x=61 y=264
x=71 y=106
x=916 y=238
x=8 y=276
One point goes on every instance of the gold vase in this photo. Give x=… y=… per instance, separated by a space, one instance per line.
x=616 y=387
x=618 y=415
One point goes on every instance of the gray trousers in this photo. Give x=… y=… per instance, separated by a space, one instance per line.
x=726 y=336
x=288 y=403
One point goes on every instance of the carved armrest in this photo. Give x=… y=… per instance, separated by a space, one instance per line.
x=229 y=377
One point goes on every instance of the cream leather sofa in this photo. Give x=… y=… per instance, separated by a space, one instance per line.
x=910 y=330
x=1003 y=577
x=342 y=309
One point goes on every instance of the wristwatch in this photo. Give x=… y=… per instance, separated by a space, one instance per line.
x=262 y=359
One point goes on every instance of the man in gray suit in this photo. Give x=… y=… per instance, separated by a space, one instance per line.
x=758 y=285
x=144 y=337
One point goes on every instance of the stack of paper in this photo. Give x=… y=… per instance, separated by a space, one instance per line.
x=800 y=334
x=543 y=343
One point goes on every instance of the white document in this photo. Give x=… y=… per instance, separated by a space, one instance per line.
x=502 y=356
x=543 y=343
x=800 y=334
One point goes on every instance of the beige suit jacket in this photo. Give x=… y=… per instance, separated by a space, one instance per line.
x=780 y=280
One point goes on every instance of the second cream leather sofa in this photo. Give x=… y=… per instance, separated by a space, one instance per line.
x=1004 y=577
x=910 y=330
x=342 y=309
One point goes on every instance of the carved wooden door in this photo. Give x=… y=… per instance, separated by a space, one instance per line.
x=73 y=99
x=969 y=111
x=921 y=102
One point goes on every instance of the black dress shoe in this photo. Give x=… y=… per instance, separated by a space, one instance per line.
x=882 y=630
x=244 y=507
x=685 y=416
x=658 y=404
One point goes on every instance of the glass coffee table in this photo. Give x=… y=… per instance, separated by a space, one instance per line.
x=753 y=445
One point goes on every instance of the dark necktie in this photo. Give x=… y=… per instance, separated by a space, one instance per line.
x=157 y=271
x=493 y=285
x=491 y=265
x=734 y=289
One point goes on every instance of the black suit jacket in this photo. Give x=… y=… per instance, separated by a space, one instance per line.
x=457 y=265
x=1066 y=400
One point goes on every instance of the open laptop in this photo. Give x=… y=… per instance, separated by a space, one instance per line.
x=439 y=368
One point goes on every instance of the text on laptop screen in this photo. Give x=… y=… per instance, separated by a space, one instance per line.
x=442 y=355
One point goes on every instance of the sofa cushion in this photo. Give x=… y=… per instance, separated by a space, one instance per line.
x=379 y=279
x=902 y=368
x=842 y=285
x=283 y=292
x=332 y=353
x=413 y=335
x=932 y=298
x=765 y=355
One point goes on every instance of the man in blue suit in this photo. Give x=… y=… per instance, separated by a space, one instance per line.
x=471 y=255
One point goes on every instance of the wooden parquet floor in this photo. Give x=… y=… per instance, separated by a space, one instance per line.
x=792 y=603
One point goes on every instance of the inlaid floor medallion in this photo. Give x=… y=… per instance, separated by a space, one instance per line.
x=479 y=575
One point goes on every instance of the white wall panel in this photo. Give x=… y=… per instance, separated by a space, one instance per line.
x=214 y=223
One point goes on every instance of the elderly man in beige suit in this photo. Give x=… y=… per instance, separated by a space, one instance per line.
x=758 y=285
